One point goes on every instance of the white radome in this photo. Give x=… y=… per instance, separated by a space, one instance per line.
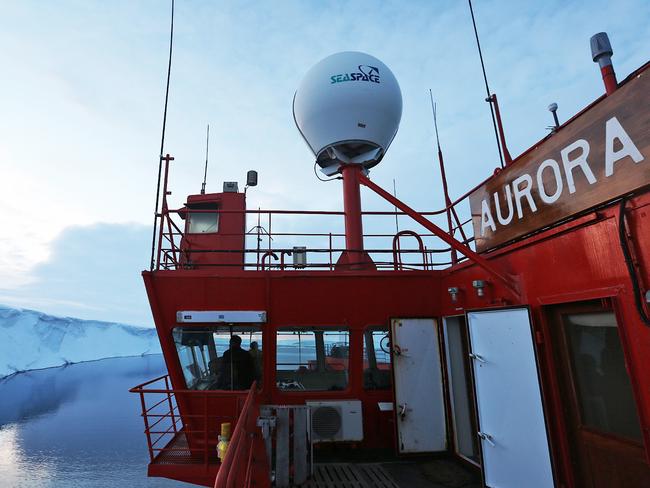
x=348 y=108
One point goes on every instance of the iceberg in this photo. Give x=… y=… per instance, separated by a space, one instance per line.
x=35 y=340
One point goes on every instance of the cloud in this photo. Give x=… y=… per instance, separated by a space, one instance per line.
x=93 y=272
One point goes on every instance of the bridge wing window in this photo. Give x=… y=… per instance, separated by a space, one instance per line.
x=312 y=359
x=212 y=359
x=602 y=383
x=203 y=222
x=376 y=359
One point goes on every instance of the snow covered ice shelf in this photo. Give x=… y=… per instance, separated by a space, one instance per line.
x=34 y=340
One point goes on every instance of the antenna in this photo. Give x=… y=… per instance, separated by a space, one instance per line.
x=162 y=138
x=207 y=145
x=487 y=88
x=395 y=195
x=450 y=210
x=435 y=119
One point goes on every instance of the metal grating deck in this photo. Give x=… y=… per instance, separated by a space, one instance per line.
x=345 y=475
x=178 y=452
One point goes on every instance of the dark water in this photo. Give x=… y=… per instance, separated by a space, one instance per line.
x=77 y=426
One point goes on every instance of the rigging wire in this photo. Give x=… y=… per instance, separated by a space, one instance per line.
x=162 y=137
x=487 y=88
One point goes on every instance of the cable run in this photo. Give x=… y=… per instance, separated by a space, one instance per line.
x=325 y=179
x=629 y=263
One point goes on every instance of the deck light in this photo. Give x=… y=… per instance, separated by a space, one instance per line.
x=251 y=178
x=453 y=293
x=479 y=286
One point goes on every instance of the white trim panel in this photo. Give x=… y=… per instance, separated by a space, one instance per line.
x=221 y=316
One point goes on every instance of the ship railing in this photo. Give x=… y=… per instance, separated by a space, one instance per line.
x=245 y=463
x=176 y=436
x=272 y=242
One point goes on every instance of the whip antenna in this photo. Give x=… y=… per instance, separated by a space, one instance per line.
x=449 y=208
x=162 y=137
x=435 y=119
x=487 y=88
x=395 y=195
x=205 y=173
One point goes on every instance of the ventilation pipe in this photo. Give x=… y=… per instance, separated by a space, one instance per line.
x=601 y=52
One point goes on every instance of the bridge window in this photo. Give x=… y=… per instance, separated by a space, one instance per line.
x=211 y=359
x=203 y=222
x=376 y=359
x=312 y=359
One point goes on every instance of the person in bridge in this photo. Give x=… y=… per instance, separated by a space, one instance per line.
x=256 y=354
x=237 y=368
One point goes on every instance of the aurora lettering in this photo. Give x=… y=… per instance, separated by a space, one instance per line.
x=542 y=185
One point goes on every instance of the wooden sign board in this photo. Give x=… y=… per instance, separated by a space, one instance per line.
x=602 y=154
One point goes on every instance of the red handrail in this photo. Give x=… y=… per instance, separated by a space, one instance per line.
x=397 y=251
x=165 y=425
x=241 y=465
x=175 y=249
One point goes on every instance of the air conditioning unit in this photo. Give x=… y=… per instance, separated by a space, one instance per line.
x=336 y=421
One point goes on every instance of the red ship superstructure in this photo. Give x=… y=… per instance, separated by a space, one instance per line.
x=516 y=342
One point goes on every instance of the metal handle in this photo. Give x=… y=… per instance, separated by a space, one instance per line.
x=479 y=358
x=398 y=351
x=402 y=411
x=487 y=438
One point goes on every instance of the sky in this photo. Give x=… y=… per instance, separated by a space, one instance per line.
x=82 y=93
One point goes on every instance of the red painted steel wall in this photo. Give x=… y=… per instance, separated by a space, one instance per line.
x=578 y=261
x=354 y=300
x=229 y=237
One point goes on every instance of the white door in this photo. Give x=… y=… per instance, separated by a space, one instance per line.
x=511 y=424
x=419 y=403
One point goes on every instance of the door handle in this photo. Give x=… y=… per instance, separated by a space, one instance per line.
x=477 y=357
x=487 y=438
x=402 y=411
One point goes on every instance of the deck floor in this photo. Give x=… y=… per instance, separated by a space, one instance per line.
x=435 y=473
x=383 y=472
x=347 y=475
